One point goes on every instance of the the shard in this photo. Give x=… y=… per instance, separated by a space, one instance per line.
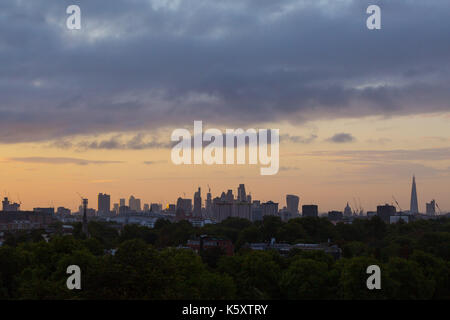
x=414 y=206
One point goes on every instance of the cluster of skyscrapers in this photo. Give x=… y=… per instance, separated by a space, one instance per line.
x=134 y=206
x=228 y=205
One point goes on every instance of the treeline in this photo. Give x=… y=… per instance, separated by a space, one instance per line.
x=414 y=259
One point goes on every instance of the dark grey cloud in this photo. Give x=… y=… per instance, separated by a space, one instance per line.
x=341 y=138
x=149 y=64
x=137 y=142
x=140 y=141
x=298 y=139
x=60 y=160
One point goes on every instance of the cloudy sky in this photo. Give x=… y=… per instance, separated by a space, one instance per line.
x=91 y=110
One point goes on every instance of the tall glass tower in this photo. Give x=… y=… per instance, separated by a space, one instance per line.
x=414 y=206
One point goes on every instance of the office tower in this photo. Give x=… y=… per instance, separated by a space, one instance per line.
x=198 y=203
x=348 y=211
x=431 y=208
x=292 y=203
x=185 y=205
x=208 y=203
x=310 y=210
x=155 y=207
x=222 y=209
x=229 y=196
x=241 y=193
x=116 y=208
x=146 y=207
x=242 y=210
x=104 y=203
x=131 y=202
x=249 y=198
x=414 y=208
x=138 y=205
x=385 y=212
x=134 y=204
x=122 y=203
x=84 y=227
x=269 y=208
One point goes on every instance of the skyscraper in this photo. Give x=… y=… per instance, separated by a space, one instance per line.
x=229 y=196
x=208 y=204
x=222 y=209
x=104 y=203
x=242 y=210
x=134 y=204
x=242 y=197
x=292 y=203
x=386 y=212
x=310 y=210
x=155 y=207
x=185 y=205
x=431 y=208
x=269 y=208
x=414 y=208
x=198 y=203
x=84 y=226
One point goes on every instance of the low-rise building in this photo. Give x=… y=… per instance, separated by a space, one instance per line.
x=25 y=220
x=285 y=248
x=205 y=242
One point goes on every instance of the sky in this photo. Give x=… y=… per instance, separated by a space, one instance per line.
x=92 y=110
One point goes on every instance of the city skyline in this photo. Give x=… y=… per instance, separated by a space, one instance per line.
x=138 y=204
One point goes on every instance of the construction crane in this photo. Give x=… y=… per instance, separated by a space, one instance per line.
x=355 y=212
x=397 y=203
x=84 y=200
x=361 y=209
x=437 y=206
